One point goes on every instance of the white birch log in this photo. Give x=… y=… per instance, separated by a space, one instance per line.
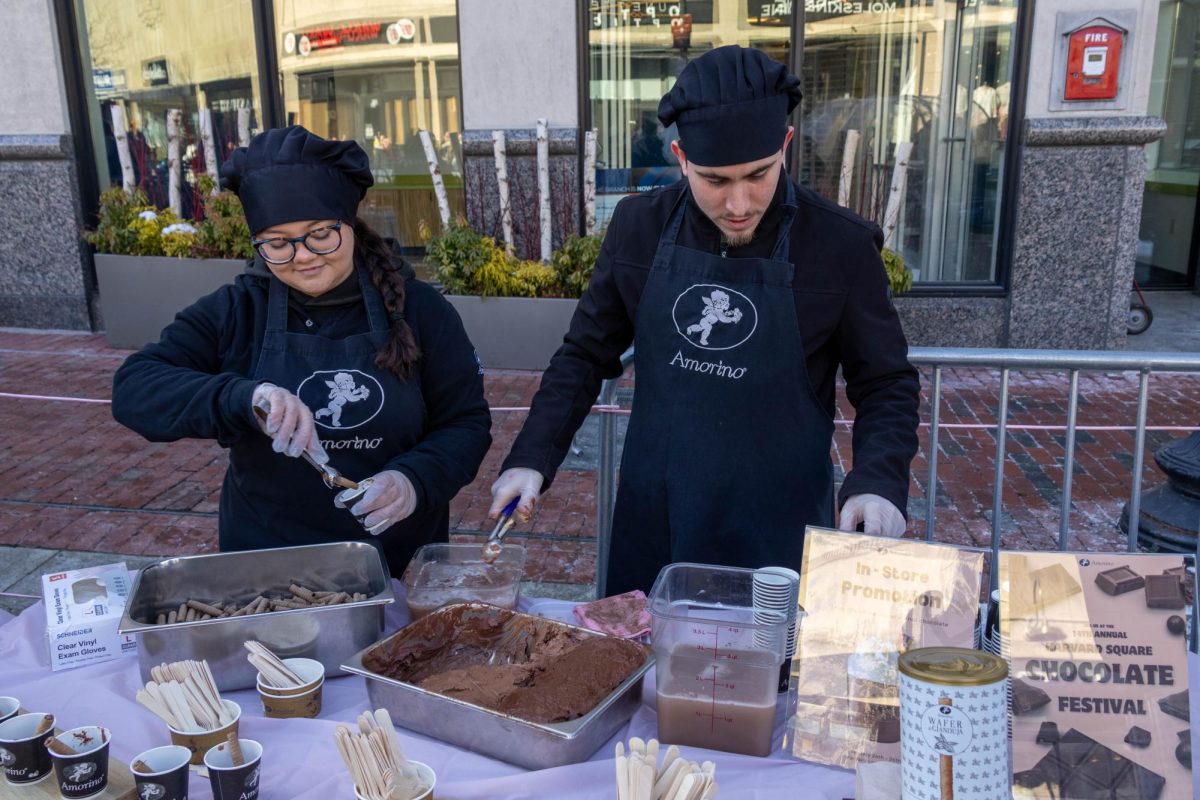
x=846 y=178
x=174 y=118
x=435 y=172
x=891 y=217
x=121 y=134
x=543 y=167
x=589 y=182
x=243 y=127
x=500 y=149
x=210 y=146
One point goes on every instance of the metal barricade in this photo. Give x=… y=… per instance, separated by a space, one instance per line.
x=1071 y=362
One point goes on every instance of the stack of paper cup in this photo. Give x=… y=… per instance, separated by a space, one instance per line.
x=776 y=592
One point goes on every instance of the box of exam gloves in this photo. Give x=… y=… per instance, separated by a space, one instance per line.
x=83 y=612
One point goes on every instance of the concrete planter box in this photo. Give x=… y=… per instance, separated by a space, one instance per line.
x=514 y=332
x=140 y=295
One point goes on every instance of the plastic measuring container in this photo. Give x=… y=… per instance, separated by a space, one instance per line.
x=717 y=667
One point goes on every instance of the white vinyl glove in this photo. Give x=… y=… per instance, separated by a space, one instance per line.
x=516 y=482
x=878 y=516
x=380 y=501
x=289 y=422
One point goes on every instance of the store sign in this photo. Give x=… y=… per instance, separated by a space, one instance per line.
x=108 y=81
x=681 y=31
x=626 y=13
x=402 y=30
x=154 y=73
x=349 y=35
x=769 y=12
x=823 y=9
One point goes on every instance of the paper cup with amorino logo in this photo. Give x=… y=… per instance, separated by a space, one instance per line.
x=9 y=707
x=229 y=779
x=162 y=773
x=80 y=761
x=23 y=751
x=200 y=742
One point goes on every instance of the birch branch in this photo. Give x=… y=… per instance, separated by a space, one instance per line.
x=435 y=172
x=543 y=167
x=243 y=127
x=499 y=147
x=891 y=217
x=174 y=118
x=589 y=182
x=846 y=178
x=121 y=134
x=210 y=147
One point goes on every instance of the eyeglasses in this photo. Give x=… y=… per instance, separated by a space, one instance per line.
x=280 y=250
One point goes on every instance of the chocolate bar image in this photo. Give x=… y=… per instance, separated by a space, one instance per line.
x=1177 y=706
x=1137 y=737
x=1164 y=591
x=1186 y=579
x=1027 y=697
x=1119 y=580
x=1183 y=750
x=1083 y=769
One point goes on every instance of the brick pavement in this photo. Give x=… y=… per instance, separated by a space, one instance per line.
x=76 y=480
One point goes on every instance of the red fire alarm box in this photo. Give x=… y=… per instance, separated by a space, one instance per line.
x=1093 y=62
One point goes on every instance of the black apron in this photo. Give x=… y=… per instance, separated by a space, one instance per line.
x=365 y=416
x=727 y=453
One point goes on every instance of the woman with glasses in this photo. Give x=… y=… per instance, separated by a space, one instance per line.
x=326 y=357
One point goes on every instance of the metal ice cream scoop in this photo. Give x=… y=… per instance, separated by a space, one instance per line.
x=493 y=548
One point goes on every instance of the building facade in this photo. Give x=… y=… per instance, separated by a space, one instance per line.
x=1024 y=210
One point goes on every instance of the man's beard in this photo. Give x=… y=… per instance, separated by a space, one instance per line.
x=738 y=239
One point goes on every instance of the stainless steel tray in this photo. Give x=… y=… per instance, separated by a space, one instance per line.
x=527 y=744
x=328 y=635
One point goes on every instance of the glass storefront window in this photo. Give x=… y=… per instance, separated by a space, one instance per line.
x=930 y=72
x=1164 y=251
x=379 y=72
x=151 y=56
x=933 y=73
x=636 y=50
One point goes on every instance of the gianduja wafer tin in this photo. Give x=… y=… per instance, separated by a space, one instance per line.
x=953 y=725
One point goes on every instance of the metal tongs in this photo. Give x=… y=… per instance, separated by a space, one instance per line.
x=493 y=548
x=333 y=479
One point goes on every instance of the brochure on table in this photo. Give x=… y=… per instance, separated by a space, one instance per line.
x=1097 y=647
x=864 y=600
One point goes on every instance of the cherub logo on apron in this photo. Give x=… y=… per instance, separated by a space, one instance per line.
x=341 y=399
x=714 y=317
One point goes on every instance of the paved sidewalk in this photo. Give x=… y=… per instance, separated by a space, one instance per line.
x=74 y=480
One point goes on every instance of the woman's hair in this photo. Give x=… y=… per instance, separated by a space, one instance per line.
x=401 y=353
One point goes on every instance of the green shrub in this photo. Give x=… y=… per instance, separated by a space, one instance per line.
x=899 y=275
x=467 y=263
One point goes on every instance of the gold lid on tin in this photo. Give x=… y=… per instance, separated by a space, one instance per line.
x=953 y=666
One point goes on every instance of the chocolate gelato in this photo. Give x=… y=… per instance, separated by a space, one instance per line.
x=528 y=667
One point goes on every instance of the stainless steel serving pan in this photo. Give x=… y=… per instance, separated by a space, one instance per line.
x=326 y=634
x=527 y=744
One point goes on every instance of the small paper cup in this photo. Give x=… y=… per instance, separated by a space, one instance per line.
x=234 y=783
x=85 y=772
x=199 y=742
x=310 y=671
x=9 y=706
x=427 y=775
x=168 y=778
x=23 y=752
x=298 y=706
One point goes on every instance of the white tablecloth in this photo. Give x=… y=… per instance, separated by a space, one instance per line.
x=301 y=763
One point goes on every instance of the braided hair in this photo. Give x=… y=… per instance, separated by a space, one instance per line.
x=401 y=353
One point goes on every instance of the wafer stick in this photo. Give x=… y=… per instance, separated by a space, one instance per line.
x=204 y=608
x=142 y=767
x=235 y=749
x=302 y=593
x=56 y=744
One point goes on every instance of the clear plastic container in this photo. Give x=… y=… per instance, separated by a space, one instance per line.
x=440 y=574
x=716 y=659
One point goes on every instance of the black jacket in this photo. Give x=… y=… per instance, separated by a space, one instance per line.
x=842 y=305
x=196 y=382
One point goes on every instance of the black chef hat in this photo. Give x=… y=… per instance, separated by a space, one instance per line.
x=289 y=174
x=731 y=106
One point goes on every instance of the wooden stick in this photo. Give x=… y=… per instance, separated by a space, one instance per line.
x=946 y=765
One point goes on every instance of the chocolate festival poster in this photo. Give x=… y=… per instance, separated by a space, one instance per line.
x=1097 y=650
x=866 y=600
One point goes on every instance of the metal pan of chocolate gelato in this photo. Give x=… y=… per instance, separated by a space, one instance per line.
x=530 y=691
